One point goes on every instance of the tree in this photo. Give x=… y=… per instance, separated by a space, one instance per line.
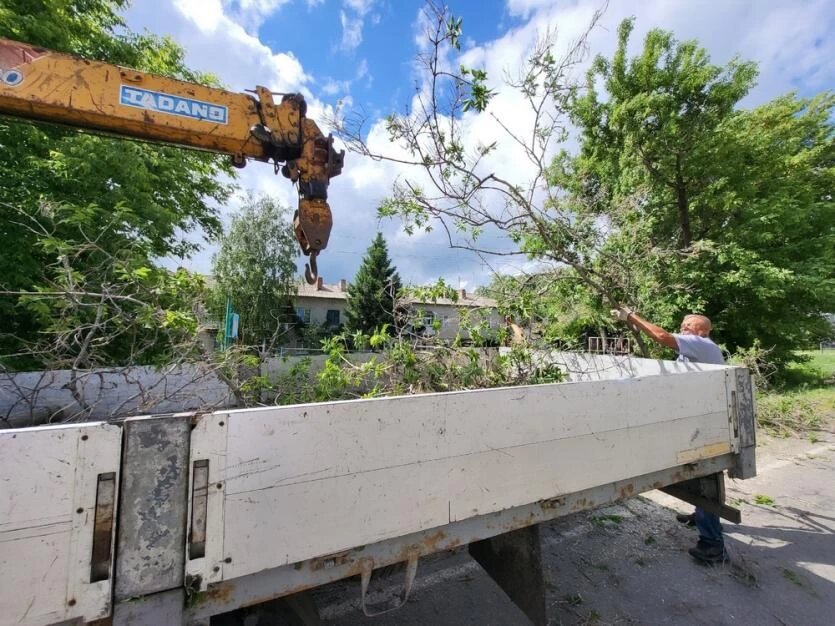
x=255 y=269
x=98 y=309
x=459 y=179
x=122 y=195
x=552 y=305
x=657 y=128
x=677 y=202
x=725 y=211
x=98 y=313
x=372 y=294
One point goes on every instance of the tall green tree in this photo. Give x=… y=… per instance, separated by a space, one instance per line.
x=657 y=128
x=122 y=195
x=99 y=308
x=255 y=270
x=373 y=294
x=712 y=208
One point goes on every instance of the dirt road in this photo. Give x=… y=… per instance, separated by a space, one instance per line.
x=629 y=563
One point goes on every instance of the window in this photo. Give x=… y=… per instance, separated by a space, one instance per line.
x=303 y=314
x=427 y=321
x=432 y=320
x=332 y=317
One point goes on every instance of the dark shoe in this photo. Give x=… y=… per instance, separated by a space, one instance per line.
x=687 y=520
x=709 y=554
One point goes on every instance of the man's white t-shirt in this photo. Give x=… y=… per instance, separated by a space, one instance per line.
x=698 y=349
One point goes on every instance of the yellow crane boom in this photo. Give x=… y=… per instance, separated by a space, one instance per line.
x=39 y=84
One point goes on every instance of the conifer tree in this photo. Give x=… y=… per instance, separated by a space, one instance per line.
x=372 y=294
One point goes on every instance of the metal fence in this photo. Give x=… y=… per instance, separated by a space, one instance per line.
x=609 y=345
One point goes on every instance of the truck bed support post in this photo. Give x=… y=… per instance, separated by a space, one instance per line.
x=745 y=422
x=514 y=561
x=707 y=492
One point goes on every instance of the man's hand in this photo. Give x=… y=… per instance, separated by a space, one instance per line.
x=622 y=313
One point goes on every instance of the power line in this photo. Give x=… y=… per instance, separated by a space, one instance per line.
x=457 y=251
x=393 y=254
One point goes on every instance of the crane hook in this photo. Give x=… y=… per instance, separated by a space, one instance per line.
x=311 y=272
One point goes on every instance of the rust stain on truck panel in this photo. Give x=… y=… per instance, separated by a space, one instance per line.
x=627 y=491
x=704 y=452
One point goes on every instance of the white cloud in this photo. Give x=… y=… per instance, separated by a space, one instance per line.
x=218 y=44
x=790 y=41
x=207 y=15
x=524 y=8
x=248 y=14
x=333 y=87
x=352 y=18
x=351 y=30
x=329 y=86
x=359 y=6
x=257 y=6
x=251 y=14
x=362 y=69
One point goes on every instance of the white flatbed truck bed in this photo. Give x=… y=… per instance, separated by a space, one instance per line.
x=172 y=519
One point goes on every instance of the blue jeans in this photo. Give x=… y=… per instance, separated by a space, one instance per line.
x=710 y=529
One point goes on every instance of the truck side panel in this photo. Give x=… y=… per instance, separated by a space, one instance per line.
x=56 y=545
x=289 y=579
x=293 y=483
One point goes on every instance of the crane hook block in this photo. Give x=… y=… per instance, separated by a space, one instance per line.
x=312 y=224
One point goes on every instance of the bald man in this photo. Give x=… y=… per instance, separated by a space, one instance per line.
x=693 y=343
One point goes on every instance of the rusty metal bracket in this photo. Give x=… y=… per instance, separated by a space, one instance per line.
x=367 y=569
x=199 y=503
x=331 y=560
x=312 y=224
x=708 y=493
x=102 y=551
x=734 y=419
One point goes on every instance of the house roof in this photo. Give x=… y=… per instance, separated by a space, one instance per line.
x=465 y=300
x=334 y=292
x=324 y=290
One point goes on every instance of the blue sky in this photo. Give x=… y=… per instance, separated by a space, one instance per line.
x=372 y=49
x=360 y=54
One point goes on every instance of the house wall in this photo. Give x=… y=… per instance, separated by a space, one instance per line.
x=319 y=299
x=319 y=308
x=449 y=315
